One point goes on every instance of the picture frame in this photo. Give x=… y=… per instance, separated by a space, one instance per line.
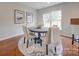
x=19 y=17
x=29 y=17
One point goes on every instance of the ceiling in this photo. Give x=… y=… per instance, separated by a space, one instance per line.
x=39 y=5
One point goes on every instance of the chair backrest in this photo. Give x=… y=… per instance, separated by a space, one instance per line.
x=55 y=35
x=25 y=30
x=48 y=36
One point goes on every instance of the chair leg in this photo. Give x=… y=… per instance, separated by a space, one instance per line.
x=35 y=40
x=46 y=49
x=72 y=39
x=41 y=43
x=55 y=50
x=24 y=40
x=31 y=39
x=27 y=43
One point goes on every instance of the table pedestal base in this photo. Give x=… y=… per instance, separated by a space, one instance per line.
x=39 y=41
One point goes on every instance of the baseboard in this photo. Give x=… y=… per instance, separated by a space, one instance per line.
x=5 y=38
x=66 y=36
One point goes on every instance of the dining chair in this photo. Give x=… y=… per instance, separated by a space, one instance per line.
x=31 y=34
x=25 y=32
x=27 y=35
x=47 y=39
x=56 y=42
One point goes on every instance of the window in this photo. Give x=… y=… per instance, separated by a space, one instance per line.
x=29 y=19
x=53 y=18
x=46 y=20
x=56 y=18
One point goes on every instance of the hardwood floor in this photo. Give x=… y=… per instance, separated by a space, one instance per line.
x=9 y=47
x=69 y=49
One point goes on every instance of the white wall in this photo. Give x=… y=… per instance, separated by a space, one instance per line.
x=7 y=26
x=69 y=10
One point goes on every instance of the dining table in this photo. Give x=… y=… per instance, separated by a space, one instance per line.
x=39 y=31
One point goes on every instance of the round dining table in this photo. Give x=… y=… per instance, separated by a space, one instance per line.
x=38 y=31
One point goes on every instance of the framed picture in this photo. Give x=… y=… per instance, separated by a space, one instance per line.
x=19 y=17
x=29 y=17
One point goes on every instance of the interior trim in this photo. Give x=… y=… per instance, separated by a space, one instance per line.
x=5 y=38
x=66 y=36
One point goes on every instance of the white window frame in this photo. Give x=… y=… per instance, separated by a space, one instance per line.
x=51 y=20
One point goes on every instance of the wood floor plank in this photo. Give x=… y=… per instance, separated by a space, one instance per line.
x=69 y=49
x=9 y=47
